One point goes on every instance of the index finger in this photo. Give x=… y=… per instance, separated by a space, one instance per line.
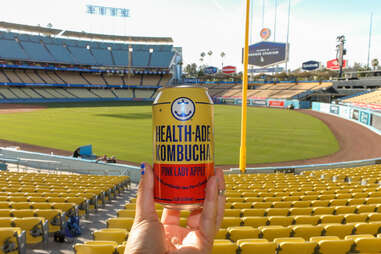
x=208 y=218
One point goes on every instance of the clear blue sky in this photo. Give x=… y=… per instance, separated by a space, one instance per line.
x=218 y=25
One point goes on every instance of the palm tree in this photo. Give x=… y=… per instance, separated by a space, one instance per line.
x=375 y=63
x=210 y=53
x=222 y=59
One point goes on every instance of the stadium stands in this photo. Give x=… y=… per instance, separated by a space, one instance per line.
x=35 y=205
x=368 y=98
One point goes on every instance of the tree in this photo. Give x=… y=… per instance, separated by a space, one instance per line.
x=222 y=58
x=375 y=63
x=202 y=56
x=210 y=53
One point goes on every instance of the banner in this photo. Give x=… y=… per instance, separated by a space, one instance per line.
x=310 y=65
x=279 y=104
x=365 y=118
x=334 y=109
x=107 y=11
x=263 y=70
x=334 y=64
x=266 y=53
x=210 y=70
x=229 y=69
x=261 y=103
x=355 y=114
x=376 y=122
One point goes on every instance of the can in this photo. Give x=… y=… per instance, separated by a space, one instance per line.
x=183 y=146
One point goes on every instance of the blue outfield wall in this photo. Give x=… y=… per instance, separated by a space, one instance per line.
x=272 y=103
x=35 y=100
x=365 y=117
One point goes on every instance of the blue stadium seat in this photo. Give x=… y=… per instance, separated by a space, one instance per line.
x=36 y=51
x=10 y=49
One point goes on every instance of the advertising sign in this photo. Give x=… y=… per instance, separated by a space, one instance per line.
x=355 y=114
x=344 y=112
x=266 y=53
x=263 y=70
x=334 y=109
x=334 y=64
x=229 y=69
x=276 y=103
x=364 y=117
x=210 y=70
x=258 y=103
x=376 y=122
x=310 y=65
x=265 y=33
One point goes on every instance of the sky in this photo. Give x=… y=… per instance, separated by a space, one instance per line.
x=218 y=25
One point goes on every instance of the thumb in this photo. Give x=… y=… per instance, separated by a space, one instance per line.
x=145 y=205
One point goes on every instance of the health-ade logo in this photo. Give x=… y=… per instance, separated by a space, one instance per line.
x=183 y=109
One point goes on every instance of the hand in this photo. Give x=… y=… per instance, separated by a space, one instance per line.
x=150 y=236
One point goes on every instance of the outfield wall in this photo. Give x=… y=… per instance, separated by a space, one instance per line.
x=272 y=103
x=365 y=117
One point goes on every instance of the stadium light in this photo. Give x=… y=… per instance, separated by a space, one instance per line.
x=88 y=47
x=109 y=48
x=151 y=50
x=130 y=49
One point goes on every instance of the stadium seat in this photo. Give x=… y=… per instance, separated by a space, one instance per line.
x=261 y=204
x=126 y=213
x=301 y=204
x=344 y=209
x=354 y=237
x=374 y=216
x=257 y=247
x=323 y=238
x=335 y=246
x=253 y=212
x=280 y=220
x=338 y=202
x=87 y=248
x=282 y=204
x=306 y=231
x=300 y=211
x=320 y=203
x=111 y=234
x=297 y=247
x=12 y=240
x=242 y=232
x=328 y=218
x=272 y=232
x=340 y=230
x=232 y=212
x=289 y=240
x=36 y=229
x=356 y=201
x=240 y=205
x=124 y=222
x=21 y=205
x=254 y=221
x=221 y=234
x=5 y=204
x=306 y=219
x=352 y=217
x=224 y=246
x=23 y=213
x=40 y=205
x=277 y=211
x=323 y=210
x=368 y=245
x=366 y=228
x=54 y=218
x=5 y=212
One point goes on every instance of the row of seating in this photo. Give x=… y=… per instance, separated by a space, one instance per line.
x=322 y=245
x=99 y=247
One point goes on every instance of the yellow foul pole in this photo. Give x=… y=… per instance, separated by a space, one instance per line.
x=242 y=159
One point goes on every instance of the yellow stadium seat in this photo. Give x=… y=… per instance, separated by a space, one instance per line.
x=289 y=240
x=290 y=198
x=339 y=230
x=320 y=203
x=124 y=222
x=56 y=199
x=12 y=240
x=228 y=205
x=338 y=202
x=240 y=205
x=253 y=212
x=352 y=217
x=323 y=210
x=297 y=247
x=328 y=218
x=368 y=245
x=323 y=238
x=345 y=196
x=18 y=199
x=280 y=220
x=261 y=204
x=282 y=204
x=354 y=237
x=301 y=204
x=258 y=247
x=37 y=199
x=41 y=205
x=306 y=231
x=235 y=199
x=6 y=222
x=306 y=219
x=254 y=221
x=272 y=232
x=68 y=208
x=251 y=240
x=232 y=212
x=344 y=209
x=373 y=200
x=360 y=195
x=80 y=248
x=242 y=232
x=21 y=205
x=272 y=199
x=253 y=199
x=327 y=197
x=224 y=246
x=374 y=216
x=277 y=211
x=54 y=217
x=230 y=222
x=5 y=212
x=221 y=234
x=356 y=201
x=130 y=206
x=335 y=246
x=118 y=235
x=35 y=227
x=300 y=211
x=5 y=204
x=126 y=213
x=23 y=213
x=366 y=228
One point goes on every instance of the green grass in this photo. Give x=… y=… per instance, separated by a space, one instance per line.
x=124 y=130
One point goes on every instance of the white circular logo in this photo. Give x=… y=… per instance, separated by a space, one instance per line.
x=183 y=109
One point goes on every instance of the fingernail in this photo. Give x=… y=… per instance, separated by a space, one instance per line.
x=142 y=166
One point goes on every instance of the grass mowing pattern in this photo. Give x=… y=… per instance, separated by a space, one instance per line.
x=124 y=130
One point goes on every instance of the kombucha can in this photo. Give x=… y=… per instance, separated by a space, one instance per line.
x=183 y=146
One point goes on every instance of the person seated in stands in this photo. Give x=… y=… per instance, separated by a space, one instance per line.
x=103 y=158
x=291 y=107
x=112 y=159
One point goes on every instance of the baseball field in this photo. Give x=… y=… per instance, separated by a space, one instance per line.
x=124 y=130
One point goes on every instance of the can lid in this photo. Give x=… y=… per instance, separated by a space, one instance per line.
x=168 y=94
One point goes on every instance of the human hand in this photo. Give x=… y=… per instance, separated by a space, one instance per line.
x=150 y=236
